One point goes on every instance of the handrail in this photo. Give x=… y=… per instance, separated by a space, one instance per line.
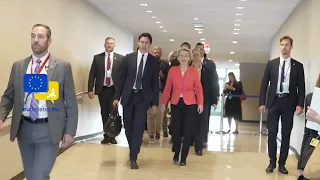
x=78 y=94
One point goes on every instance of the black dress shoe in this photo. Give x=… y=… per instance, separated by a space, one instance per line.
x=183 y=163
x=282 y=169
x=302 y=178
x=105 y=141
x=199 y=153
x=270 y=168
x=113 y=141
x=134 y=165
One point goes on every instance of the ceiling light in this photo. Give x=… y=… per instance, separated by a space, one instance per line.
x=234 y=42
x=237 y=64
x=171 y=40
x=161 y=27
x=235 y=33
x=200 y=32
x=240 y=7
x=203 y=42
x=243 y=0
x=197 y=25
x=238 y=20
x=236 y=24
x=238 y=14
x=158 y=22
x=164 y=30
x=202 y=39
x=143 y=4
x=232 y=52
x=230 y=60
x=236 y=29
x=196 y=18
x=153 y=17
x=149 y=11
x=198 y=29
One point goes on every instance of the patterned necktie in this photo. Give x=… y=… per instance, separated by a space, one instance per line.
x=108 y=79
x=34 y=103
x=139 y=75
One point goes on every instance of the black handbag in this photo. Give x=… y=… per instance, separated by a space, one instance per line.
x=114 y=123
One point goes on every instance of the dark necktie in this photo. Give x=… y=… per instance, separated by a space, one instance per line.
x=139 y=75
x=282 y=75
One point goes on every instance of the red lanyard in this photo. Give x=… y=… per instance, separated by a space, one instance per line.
x=41 y=67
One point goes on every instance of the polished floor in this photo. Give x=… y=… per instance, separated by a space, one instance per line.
x=240 y=156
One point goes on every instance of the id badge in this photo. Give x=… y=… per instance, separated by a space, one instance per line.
x=108 y=73
x=285 y=87
x=314 y=142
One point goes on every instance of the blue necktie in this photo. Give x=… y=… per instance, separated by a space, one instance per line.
x=282 y=76
x=34 y=103
x=139 y=75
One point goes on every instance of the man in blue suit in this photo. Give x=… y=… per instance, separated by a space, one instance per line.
x=138 y=89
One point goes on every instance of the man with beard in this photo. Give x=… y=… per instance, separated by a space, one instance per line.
x=40 y=132
x=155 y=120
x=283 y=88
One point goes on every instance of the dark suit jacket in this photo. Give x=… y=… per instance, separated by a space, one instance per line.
x=150 y=79
x=97 y=71
x=296 y=84
x=164 y=67
x=174 y=62
x=209 y=81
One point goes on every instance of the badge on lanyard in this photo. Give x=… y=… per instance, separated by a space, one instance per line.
x=285 y=87
x=314 y=142
x=108 y=73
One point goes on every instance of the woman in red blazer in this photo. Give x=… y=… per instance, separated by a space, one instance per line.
x=186 y=101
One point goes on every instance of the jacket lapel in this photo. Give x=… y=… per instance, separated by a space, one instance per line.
x=292 y=70
x=114 y=61
x=146 y=66
x=52 y=67
x=276 y=67
x=24 y=68
x=134 y=63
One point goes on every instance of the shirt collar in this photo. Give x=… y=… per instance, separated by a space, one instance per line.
x=287 y=60
x=43 y=58
x=111 y=54
x=202 y=60
x=140 y=54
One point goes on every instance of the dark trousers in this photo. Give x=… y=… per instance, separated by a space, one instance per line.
x=134 y=117
x=183 y=118
x=202 y=128
x=306 y=148
x=280 y=107
x=106 y=98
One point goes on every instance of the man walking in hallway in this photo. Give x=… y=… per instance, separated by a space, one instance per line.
x=39 y=132
x=156 y=120
x=104 y=76
x=284 y=96
x=138 y=89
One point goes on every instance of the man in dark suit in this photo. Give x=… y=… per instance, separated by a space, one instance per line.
x=284 y=96
x=138 y=89
x=104 y=76
x=210 y=86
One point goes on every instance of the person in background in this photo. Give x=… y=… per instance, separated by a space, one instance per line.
x=172 y=55
x=175 y=62
x=155 y=120
x=40 y=132
x=233 y=104
x=282 y=91
x=104 y=75
x=309 y=135
x=186 y=101
x=138 y=89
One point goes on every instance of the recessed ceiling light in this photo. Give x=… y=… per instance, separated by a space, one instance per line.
x=198 y=29
x=171 y=40
x=203 y=42
x=238 y=20
x=161 y=27
x=232 y=52
x=238 y=14
x=240 y=7
x=164 y=30
x=158 y=22
x=153 y=17
x=236 y=29
x=200 y=32
x=230 y=60
x=243 y=0
x=143 y=4
x=197 y=25
x=234 y=42
x=236 y=24
x=237 y=64
x=149 y=11
x=196 y=18
x=202 y=39
x=235 y=33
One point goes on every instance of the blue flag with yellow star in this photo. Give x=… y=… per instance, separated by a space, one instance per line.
x=35 y=83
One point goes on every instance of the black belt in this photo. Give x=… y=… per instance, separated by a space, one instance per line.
x=37 y=121
x=136 y=90
x=282 y=95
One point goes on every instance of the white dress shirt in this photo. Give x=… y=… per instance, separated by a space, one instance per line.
x=42 y=103
x=287 y=70
x=110 y=70
x=138 y=63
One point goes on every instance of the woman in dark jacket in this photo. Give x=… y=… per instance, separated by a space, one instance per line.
x=309 y=134
x=233 y=104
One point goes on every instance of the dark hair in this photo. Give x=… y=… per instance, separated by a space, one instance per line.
x=199 y=44
x=147 y=35
x=287 y=38
x=232 y=75
x=187 y=44
x=110 y=38
x=46 y=27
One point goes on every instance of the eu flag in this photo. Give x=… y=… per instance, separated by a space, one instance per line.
x=34 y=83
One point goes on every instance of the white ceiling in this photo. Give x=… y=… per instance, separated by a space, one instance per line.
x=260 y=20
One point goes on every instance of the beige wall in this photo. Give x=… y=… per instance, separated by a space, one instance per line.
x=251 y=75
x=303 y=26
x=78 y=32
